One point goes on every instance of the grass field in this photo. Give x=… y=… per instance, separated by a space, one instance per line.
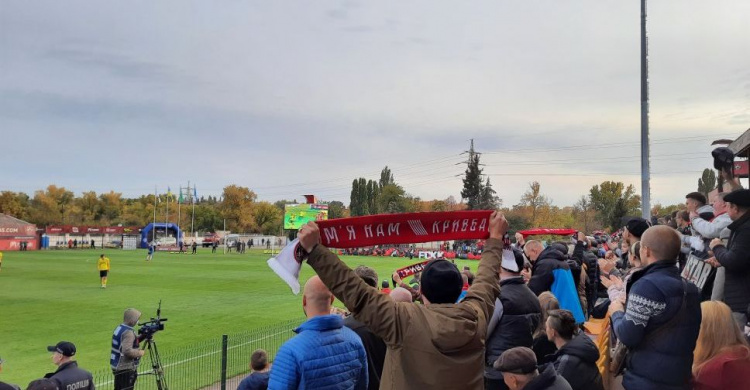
x=48 y=296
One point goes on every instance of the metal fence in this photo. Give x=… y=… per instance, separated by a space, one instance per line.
x=211 y=363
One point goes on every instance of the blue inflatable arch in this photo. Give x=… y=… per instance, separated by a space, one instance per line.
x=146 y=232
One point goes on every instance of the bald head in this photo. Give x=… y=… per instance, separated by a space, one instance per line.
x=400 y=294
x=317 y=299
x=533 y=249
x=659 y=243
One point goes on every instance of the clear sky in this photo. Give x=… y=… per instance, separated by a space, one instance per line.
x=292 y=97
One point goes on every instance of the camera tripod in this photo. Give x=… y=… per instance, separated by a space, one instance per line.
x=156 y=368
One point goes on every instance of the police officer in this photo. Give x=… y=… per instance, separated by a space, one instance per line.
x=125 y=352
x=68 y=375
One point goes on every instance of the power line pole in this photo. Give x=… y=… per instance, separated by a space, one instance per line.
x=645 y=151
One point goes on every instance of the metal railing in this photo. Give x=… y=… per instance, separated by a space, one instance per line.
x=211 y=362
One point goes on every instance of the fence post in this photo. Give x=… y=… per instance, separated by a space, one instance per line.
x=224 y=343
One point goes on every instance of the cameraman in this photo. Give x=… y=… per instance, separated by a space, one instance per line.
x=125 y=351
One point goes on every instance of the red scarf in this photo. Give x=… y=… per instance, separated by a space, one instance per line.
x=405 y=228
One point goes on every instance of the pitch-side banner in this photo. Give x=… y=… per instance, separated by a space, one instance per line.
x=407 y=228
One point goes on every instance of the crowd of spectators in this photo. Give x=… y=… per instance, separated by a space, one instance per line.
x=675 y=323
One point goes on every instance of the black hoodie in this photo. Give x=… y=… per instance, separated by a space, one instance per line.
x=576 y=362
x=548 y=379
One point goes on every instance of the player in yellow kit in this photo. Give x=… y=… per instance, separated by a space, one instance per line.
x=103 y=265
x=1 y=261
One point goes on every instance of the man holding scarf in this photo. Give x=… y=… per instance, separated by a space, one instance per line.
x=438 y=345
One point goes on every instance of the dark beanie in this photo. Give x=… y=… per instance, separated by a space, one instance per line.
x=441 y=282
x=637 y=226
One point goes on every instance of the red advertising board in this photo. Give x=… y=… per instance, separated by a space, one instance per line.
x=20 y=230
x=741 y=169
x=14 y=244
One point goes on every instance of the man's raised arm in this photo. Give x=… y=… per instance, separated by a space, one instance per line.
x=367 y=304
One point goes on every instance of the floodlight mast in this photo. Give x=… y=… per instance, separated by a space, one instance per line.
x=645 y=151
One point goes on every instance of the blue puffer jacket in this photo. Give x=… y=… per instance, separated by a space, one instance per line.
x=323 y=355
x=664 y=360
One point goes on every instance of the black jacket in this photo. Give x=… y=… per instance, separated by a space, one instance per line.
x=735 y=257
x=592 y=273
x=542 y=275
x=548 y=379
x=576 y=362
x=375 y=348
x=521 y=314
x=68 y=374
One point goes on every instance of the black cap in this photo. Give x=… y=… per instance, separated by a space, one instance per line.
x=637 y=226
x=723 y=157
x=64 y=348
x=739 y=198
x=441 y=282
x=697 y=196
x=518 y=360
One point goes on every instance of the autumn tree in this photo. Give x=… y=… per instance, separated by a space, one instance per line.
x=268 y=218
x=613 y=201
x=237 y=208
x=534 y=201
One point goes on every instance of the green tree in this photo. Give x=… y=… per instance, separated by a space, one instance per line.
x=488 y=199
x=613 y=201
x=336 y=209
x=373 y=192
x=386 y=177
x=707 y=182
x=393 y=200
x=472 y=180
x=111 y=206
x=355 y=206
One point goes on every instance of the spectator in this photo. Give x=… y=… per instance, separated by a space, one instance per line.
x=517 y=314
x=385 y=287
x=707 y=230
x=194 y=247
x=470 y=276
x=68 y=375
x=616 y=285
x=374 y=345
x=662 y=321
x=438 y=345
x=325 y=353
x=551 y=272
x=413 y=289
x=526 y=272
x=735 y=256
x=695 y=202
x=258 y=379
x=125 y=354
x=624 y=255
x=722 y=355
x=42 y=384
x=576 y=356
x=583 y=255
x=465 y=288
x=541 y=345
x=400 y=294
x=3 y=385
x=520 y=371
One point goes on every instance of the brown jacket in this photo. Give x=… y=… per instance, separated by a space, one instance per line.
x=439 y=346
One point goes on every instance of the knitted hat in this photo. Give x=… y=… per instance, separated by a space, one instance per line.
x=441 y=282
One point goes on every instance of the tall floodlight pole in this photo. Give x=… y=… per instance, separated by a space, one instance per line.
x=645 y=152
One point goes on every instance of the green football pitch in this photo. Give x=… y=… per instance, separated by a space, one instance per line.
x=49 y=296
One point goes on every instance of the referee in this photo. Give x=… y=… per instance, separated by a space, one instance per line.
x=103 y=265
